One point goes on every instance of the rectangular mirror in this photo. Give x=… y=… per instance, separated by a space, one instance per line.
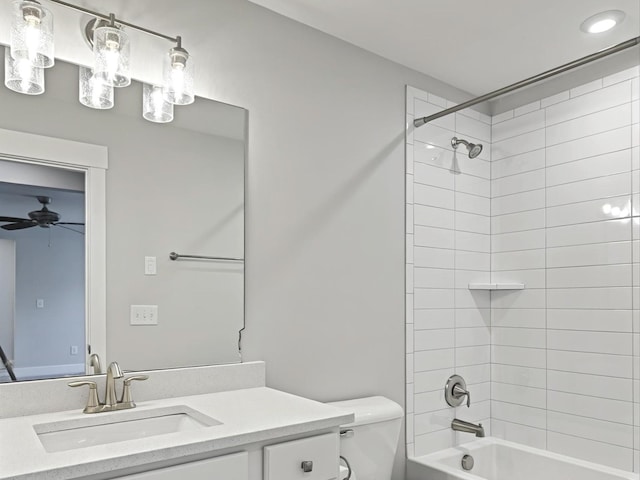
x=176 y=187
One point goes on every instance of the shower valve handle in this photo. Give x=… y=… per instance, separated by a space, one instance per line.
x=459 y=392
x=455 y=390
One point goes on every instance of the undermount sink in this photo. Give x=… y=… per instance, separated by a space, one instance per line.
x=115 y=427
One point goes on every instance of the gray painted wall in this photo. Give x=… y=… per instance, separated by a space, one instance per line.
x=325 y=209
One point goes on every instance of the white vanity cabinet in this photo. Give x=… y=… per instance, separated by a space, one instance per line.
x=310 y=458
x=227 y=467
x=313 y=458
x=255 y=433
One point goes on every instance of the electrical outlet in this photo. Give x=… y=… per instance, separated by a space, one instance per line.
x=74 y=349
x=144 y=315
x=40 y=303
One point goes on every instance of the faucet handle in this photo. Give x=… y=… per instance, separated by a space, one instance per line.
x=93 y=402
x=455 y=390
x=128 y=380
x=459 y=392
x=127 y=401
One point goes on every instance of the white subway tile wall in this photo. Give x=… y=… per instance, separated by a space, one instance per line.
x=451 y=246
x=553 y=202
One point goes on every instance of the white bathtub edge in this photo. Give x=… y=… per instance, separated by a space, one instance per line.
x=432 y=460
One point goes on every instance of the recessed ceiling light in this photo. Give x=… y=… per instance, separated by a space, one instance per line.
x=603 y=21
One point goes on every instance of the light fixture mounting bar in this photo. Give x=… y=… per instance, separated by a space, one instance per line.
x=117 y=20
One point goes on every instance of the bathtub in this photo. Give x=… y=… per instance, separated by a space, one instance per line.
x=497 y=459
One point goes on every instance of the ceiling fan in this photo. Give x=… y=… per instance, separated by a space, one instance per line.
x=44 y=218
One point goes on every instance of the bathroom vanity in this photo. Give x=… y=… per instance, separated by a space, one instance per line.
x=237 y=430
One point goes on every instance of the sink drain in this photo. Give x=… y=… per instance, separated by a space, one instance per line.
x=467 y=462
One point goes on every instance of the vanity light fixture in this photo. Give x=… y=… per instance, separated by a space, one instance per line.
x=155 y=106
x=94 y=92
x=20 y=76
x=32 y=33
x=178 y=76
x=111 y=54
x=603 y=21
x=31 y=51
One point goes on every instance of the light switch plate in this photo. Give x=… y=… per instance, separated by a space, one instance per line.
x=144 y=315
x=150 y=265
x=40 y=303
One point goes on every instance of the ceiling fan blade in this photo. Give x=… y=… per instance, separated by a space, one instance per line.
x=69 y=228
x=68 y=223
x=19 y=226
x=13 y=219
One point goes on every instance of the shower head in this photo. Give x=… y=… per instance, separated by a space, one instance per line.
x=474 y=149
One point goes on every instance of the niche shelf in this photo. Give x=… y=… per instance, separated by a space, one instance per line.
x=496 y=286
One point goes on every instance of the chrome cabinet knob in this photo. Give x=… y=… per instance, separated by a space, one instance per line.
x=307 y=466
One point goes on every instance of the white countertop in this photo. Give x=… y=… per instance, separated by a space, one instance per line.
x=247 y=416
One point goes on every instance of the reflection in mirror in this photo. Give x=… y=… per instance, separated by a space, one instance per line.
x=175 y=187
x=42 y=270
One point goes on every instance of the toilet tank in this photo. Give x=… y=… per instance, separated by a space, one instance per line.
x=371 y=449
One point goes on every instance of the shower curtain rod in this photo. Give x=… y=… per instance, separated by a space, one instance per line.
x=418 y=122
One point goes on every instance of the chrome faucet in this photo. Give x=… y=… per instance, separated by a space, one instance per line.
x=94 y=362
x=110 y=397
x=111 y=402
x=467 y=427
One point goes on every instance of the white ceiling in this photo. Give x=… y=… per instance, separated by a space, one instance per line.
x=475 y=45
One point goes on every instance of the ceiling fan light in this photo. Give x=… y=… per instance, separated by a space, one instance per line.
x=22 y=77
x=111 y=54
x=32 y=33
x=155 y=106
x=178 y=73
x=93 y=92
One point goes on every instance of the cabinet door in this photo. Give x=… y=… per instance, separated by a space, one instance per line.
x=319 y=454
x=228 y=467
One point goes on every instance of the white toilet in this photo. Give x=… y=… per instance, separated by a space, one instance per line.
x=369 y=443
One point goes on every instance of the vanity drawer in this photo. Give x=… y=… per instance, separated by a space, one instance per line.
x=227 y=467
x=284 y=461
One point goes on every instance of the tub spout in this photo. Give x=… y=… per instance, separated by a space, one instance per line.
x=468 y=427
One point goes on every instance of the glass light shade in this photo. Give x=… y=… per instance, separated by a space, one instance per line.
x=111 y=54
x=22 y=77
x=155 y=107
x=32 y=33
x=178 y=77
x=94 y=93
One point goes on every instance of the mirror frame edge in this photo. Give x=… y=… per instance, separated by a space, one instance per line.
x=93 y=161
